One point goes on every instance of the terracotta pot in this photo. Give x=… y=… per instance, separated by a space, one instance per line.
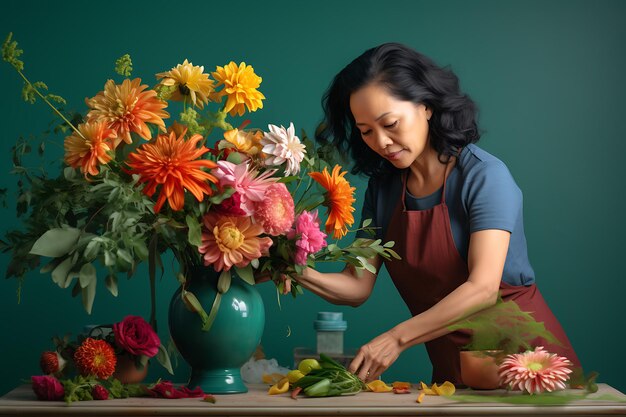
x=479 y=369
x=127 y=372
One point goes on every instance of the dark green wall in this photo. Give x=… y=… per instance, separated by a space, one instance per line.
x=548 y=77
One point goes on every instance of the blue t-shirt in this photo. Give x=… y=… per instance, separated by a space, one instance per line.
x=480 y=193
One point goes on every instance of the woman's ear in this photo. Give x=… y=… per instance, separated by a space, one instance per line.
x=429 y=113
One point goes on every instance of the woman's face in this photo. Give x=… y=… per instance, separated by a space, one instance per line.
x=395 y=129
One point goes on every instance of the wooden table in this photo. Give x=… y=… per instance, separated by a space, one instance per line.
x=22 y=401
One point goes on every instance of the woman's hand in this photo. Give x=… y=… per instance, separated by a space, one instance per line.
x=375 y=357
x=266 y=276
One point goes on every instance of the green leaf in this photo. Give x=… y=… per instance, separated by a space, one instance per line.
x=246 y=274
x=164 y=359
x=109 y=258
x=89 y=294
x=56 y=242
x=223 y=282
x=123 y=254
x=367 y=222
x=92 y=250
x=389 y=244
x=59 y=274
x=87 y=275
x=194 y=235
x=111 y=284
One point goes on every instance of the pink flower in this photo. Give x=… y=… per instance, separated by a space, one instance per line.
x=311 y=240
x=231 y=241
x=135 y=335
x=535 y=371
x=250 y=186
x=275 y=212
x=231 y=206
x=47 y=388
x=99 y=393
x=51 y=362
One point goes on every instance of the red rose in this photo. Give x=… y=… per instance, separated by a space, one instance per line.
x=134 y=335
x=47 y=388
x=99 y=393
x=51 y=362
x=231 y=206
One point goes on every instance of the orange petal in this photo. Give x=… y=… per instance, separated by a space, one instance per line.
x=280 y=387
x=378 y=386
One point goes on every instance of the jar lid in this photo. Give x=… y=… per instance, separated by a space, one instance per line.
x=330 y=322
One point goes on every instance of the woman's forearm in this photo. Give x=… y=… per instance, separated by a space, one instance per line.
x=467 y=299
x=341 y=287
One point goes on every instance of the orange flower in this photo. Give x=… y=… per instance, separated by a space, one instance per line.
x=127 y=108
x=91 y=148
x=245 y=141
x=172 y=162
x=231 y=241
x=240 y=85
x=95 y=357
x=339 y=198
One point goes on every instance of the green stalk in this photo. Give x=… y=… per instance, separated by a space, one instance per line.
x=50 y=104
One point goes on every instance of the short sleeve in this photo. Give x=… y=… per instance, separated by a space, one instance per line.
x=491 y=197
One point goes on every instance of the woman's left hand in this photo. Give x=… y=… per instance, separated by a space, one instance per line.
x=375 y=357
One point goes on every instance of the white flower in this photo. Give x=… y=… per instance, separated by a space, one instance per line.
x=282 y=145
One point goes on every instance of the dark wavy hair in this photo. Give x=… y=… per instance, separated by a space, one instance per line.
x=407 y=75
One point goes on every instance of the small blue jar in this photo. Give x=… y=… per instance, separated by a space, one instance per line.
x=330 y=327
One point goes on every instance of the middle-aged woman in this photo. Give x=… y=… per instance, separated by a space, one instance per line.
x=453 y=209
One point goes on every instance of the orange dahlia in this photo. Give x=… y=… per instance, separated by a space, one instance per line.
x=173 y=163
x=339 y=198
x=231 y=241
x=190 y=81
x=127 y=108
x=95 y=357
x=91 y=148
x=240 y=86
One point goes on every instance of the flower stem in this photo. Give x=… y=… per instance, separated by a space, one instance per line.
x=50 y=104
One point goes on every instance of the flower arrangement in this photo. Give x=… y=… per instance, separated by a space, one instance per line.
x=137 y=183
x=104 y=349
x=96 y=365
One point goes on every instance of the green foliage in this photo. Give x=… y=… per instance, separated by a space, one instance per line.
x=124 y=65
x=190 y=118
x=504 y=327
x=11 y=53
x=80 y=388
x=330 y=379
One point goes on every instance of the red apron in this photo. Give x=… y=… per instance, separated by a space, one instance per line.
x=431 y=268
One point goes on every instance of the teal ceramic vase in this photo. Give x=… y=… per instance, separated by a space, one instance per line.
x=216 y=356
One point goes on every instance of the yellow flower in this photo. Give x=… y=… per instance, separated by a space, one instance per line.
x=127 y=108
x=246 y=142
x=190 y=81
x=240 y=85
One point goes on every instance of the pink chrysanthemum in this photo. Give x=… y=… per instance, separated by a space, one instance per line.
x=535 y=371
x=231 y=241
x=311 y=238
x=275 y=212
x=250 y=185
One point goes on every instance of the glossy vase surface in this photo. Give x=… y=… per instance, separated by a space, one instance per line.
x=216 y=356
